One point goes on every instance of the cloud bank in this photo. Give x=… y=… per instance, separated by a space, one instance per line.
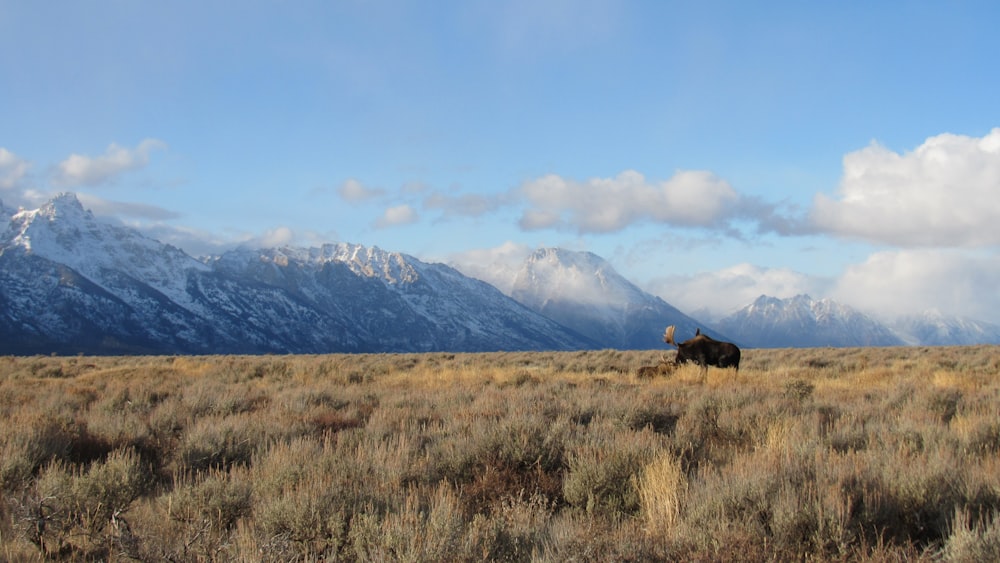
x=689 y=199
x=605 y=205
x=946 y=193
x=719 y=293
x=912 y=281
x=495 y=266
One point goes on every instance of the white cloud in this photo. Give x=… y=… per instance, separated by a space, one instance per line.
x=724 y=291
x=495 y=266
x=354 y=191
x=944 y=193
x=278 y=236
x=13 y=169
x=887 y=284
x=78 y=170
x=913 y=281
x=603 y=205
x=195 y=242
x=398 y=215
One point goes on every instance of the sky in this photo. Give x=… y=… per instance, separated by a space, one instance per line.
x=710 y=151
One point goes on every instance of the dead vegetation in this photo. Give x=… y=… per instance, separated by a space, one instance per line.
x=858 y=454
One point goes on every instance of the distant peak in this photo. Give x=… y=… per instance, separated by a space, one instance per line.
x=567 y=257
x=766 y=300
x=64 y=204
x=769 y=299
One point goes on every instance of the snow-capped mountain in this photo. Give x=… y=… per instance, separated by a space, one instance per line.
x=935 y=328
x=62 y=231
x=387 y=301
x=803 y=322
x=71 y=283
x=584 y=292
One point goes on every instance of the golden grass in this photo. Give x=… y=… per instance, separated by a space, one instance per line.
x=662 y=487
x=853 y=454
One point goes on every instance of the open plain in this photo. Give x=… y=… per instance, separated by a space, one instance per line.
x=863 y=454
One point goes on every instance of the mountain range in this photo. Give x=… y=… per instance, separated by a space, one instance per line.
x=803 y=322
x=71 y=283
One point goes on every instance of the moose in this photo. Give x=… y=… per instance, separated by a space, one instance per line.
x=704 y=351
x=665 y=367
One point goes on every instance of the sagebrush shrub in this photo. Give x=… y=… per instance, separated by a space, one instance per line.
x=847 y=454
x=601 y=471
x=82 y=511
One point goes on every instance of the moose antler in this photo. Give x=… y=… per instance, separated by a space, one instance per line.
x=668 y=335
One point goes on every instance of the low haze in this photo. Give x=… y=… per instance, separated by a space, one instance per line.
x=710 y=151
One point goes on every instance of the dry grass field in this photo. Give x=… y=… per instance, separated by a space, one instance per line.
x=817 y=454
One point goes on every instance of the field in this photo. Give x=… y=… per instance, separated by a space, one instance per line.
x=886 y=454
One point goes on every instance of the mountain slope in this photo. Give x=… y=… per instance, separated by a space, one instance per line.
x=933 y=328
x=70 y=283
x=64 y=233
x=392 y=301
x=802 y=322
x=584 y=292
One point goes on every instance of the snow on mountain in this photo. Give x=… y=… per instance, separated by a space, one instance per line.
x=70 y=283
x=63 y=232
x=394 y=301
x=934 y=328
x=802 y=322
x=584 y=292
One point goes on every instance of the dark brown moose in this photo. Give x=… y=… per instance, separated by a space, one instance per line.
x=704 y=351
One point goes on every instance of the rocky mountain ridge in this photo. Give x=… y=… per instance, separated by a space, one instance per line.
x=70 y=283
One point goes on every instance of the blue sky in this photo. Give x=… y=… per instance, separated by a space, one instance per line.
x=711 y=151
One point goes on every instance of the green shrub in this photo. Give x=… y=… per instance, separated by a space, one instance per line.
x=83 y=512
x=216 y=500
x=602 y=471
x=220 y=442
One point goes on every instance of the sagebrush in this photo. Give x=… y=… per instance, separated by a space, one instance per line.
x=822 y=454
